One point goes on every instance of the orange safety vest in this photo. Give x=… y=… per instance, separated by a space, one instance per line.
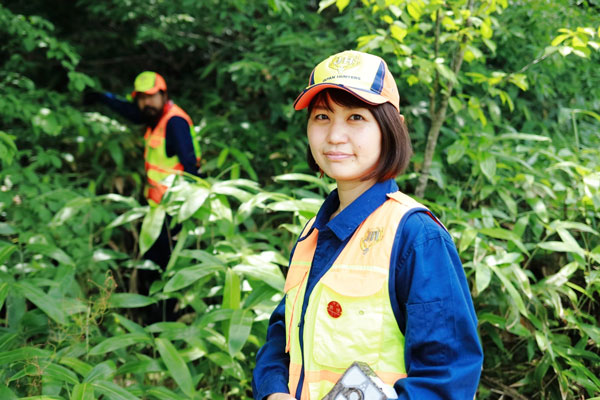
x=157 y=164
x=349 y=316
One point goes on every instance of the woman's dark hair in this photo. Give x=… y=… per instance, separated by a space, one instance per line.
x=396 y=148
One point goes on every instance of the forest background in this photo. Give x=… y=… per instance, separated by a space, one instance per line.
x=502 y=101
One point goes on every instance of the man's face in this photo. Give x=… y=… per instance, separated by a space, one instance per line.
x=151 y=105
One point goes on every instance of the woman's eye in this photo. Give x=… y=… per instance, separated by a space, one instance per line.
x=356 y=117
x=321 y=116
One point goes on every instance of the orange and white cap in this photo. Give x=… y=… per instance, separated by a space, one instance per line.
x=148 y=82
x=364 y=75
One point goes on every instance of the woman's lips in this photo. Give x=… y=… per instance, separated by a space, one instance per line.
x=336 y=155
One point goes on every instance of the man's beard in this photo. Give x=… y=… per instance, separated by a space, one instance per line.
x=151 y=115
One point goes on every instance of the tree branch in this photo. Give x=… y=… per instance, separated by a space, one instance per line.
x=438 y=118
x=436 y=84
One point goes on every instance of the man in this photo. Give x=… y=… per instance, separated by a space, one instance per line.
x=171 y=146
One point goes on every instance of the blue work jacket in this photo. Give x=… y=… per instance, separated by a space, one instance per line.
x=429 y=294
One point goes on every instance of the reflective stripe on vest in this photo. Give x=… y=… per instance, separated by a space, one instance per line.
x=349 y=315
x=158 y=165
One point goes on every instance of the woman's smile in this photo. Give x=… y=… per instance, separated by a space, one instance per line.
x=338 y=155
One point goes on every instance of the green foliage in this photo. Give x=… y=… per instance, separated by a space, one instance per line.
x=515 y=179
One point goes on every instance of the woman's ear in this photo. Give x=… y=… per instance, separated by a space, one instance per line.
x=402 y=118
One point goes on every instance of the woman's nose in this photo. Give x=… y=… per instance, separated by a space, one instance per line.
x=337 y=132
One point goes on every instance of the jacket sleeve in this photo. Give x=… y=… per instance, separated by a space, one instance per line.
x=434 y=309
x=125 y=108
x=271 y=373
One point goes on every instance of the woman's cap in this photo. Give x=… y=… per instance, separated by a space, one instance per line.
x=364 y=75
x=148 y=82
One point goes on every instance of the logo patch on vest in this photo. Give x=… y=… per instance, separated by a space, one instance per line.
x=334 y=309
x=372 y=237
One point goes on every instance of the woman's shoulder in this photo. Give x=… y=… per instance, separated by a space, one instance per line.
x=420 y=225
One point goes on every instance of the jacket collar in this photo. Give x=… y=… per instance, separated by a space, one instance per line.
x=345 y=223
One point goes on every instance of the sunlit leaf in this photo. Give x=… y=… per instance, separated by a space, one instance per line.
x=239 y=330
x=79 y=366
x=267 y=273
x=558 y=40
x=228 y=364
x=52 y=252
x=540 y=209
x=4 y=290
x=341 y=4
x=487 y=163
x=295 y=177
x=70 y=210
x=232 y=290
x=6 y=229
x=508 y=200
x=118 y=342
x=500 y=233
x=466 y=238
x=59 y=373
x=129 y=216
x=483 y=276
x=176 y=366
x=414 y=9
x=398 y=32
x=113 y=391
x=194 y=200
x=44 y=302
x=129 y=300
x=101 y=371
x=6 y=393
x=514 y=294
x=456 y=151
x=151 y=227
x=187 y=276
x=83 y=391
x=162 y=393
x=23 y=353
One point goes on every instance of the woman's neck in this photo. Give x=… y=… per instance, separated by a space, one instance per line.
x=350 y=191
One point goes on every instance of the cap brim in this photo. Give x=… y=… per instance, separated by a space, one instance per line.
x=309 y=93
x=149 y=91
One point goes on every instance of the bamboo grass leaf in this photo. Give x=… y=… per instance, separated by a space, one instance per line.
x=176 y=366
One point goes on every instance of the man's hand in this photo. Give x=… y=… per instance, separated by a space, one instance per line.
x=280 y=396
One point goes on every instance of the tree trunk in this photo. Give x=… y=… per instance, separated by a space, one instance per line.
x=432 y=137
x=438 y=114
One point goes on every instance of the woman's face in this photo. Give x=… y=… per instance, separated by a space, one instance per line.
x=344 y=141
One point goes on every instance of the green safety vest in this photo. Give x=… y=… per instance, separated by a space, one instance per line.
x=158 y=165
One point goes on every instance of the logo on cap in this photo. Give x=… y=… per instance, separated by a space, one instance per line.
x=344 y=61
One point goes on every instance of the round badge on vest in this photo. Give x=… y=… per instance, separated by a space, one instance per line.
x=334 y=309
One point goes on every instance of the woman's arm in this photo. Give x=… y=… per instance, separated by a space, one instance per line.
x=271 y=373
x=443 y=354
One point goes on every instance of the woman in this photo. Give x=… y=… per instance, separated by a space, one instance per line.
x=374 y=277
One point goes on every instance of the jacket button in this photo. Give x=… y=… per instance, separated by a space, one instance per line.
x=334 y=309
